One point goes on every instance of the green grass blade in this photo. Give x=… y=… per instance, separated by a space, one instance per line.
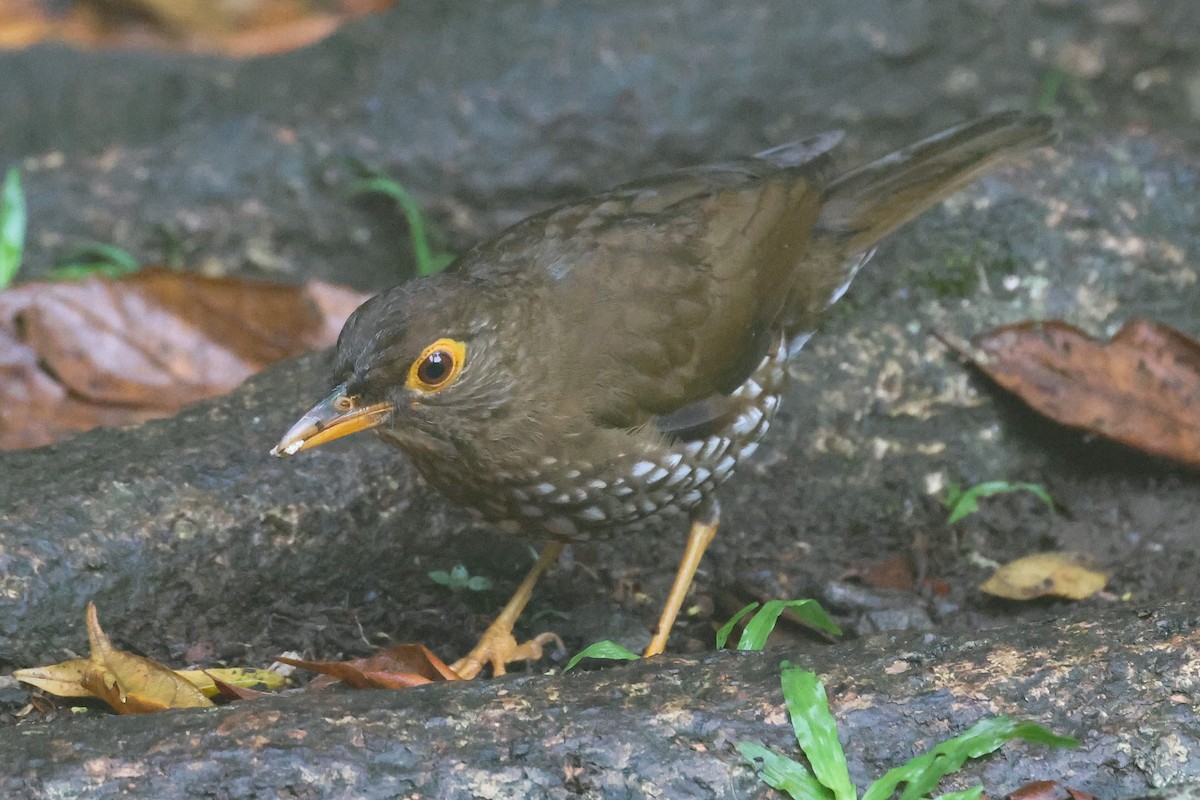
x=428 y=262
x=76 y=272
x=727 y=628
x=783 y=773
x=1035 y=734
x=922 y=774
x=96 y=258
x=761 y=624
x=12 y=227
x=964 y=503
x=92 y=252
x=966 y=794
x=816 y=730
x=604 y=649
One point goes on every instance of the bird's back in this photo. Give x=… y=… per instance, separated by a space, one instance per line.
x=662 y=292
x=668 y=292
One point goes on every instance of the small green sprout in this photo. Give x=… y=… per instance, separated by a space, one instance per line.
x=1059 y=87
x=754 y=637
x=1052 y=82
x=93 y=258
x=962 y=502
x=458 y=578
x=605 y=649
x=826 y=776
x=428 y=262
x=96 y=258
x=12 y=227
x=956 y=275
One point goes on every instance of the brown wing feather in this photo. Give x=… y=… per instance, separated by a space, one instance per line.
x=710 y=274
x=700 y=269
x=693 y=268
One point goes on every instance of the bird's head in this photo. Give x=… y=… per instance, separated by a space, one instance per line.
x=419 y=362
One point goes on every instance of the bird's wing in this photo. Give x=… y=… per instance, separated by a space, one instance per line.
x=689 y=271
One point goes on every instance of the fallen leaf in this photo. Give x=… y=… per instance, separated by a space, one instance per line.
x=892 y=573
x=39 y=703
x=1057 y=574
x=1047 y=790
x=232 y=691
x=223 y=680
x=77 y=355
x=130 y=683
x=22 y=23
x=399 y=667
x=1141 y=388
x=243 y=28
x=64 y=679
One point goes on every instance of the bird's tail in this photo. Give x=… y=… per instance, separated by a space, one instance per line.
x=867 y=203
x=864 y=205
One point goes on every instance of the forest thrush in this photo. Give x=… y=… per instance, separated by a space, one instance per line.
x=613 y=359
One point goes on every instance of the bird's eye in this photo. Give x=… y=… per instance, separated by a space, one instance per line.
x=438 y=366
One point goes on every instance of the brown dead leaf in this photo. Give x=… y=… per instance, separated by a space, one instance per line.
x=242 y=28
x=892 y=573
x=1047 y=790
x=1141 y=388
x=77 y=355
x=231 y=691
x=399 y=667
x=1059 y=574
x=22 y=23
x=40 y=703
x=130 y=683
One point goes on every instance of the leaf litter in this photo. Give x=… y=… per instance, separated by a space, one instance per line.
x=133 y=684
x=100 y=352
x=1141 y=388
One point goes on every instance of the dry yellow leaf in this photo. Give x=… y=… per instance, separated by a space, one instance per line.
x=64 y=679
x=245 y=677
x=130 y=683
x=1057 y=574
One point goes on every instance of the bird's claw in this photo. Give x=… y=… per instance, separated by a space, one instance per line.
x=499 y=648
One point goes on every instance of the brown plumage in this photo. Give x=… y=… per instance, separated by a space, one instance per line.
x=613 y=359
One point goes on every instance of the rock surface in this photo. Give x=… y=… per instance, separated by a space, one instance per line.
x=199 y=547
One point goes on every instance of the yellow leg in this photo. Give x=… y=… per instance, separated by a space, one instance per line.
x=704 y=528
x=497 y=645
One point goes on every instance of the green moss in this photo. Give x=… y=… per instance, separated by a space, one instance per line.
x=954 y=275
x=960 y=272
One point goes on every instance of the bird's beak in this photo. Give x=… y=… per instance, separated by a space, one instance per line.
x=336 y=416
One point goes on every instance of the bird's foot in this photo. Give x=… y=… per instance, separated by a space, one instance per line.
x=498 y=648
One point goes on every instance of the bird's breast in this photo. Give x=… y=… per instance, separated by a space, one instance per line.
x=604 y=481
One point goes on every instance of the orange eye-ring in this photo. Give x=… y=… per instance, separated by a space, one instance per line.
x=438 y=366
